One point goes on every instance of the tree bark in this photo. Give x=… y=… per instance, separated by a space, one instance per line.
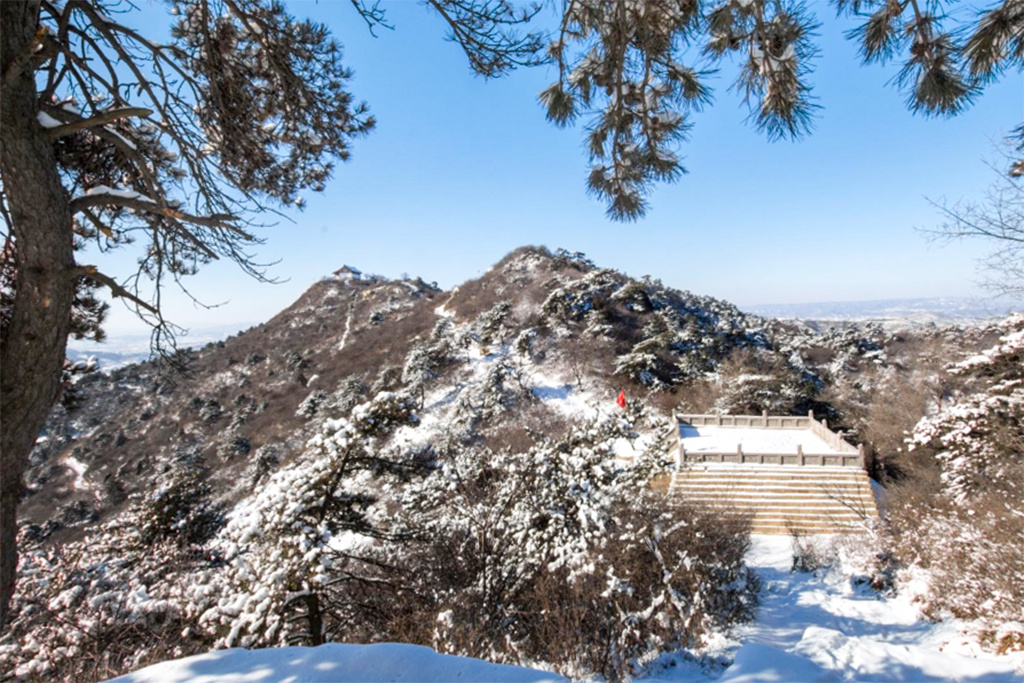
x=32 y=354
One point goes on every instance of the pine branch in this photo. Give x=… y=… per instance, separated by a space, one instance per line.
x=116 y=290
x=99 y=120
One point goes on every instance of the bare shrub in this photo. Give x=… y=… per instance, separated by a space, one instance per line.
x=809 y=555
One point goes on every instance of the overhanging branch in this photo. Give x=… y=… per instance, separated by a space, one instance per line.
x=116 y=290
x=94 y=121
x=217 y=220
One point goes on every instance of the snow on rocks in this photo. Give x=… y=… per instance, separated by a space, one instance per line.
x=79 y=468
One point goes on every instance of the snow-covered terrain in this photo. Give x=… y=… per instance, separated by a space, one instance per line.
x=820 y=627
x=333 y=663
x=715 y=439
x=810 y=627
x=191 y=509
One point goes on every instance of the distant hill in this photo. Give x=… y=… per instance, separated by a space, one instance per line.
x=938 y=310
x=120 y=349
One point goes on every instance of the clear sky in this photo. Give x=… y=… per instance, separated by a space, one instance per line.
x=460 y=171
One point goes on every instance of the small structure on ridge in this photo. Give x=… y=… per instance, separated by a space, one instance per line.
x=347 y=273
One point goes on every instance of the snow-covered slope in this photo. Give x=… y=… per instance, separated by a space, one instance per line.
x=810 y=627
x=333 y=663
x=820 y=627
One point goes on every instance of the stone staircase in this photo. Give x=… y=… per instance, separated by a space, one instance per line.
x=782 y=499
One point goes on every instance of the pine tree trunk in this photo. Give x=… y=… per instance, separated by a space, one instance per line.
x=32 y=354
x=315 y=618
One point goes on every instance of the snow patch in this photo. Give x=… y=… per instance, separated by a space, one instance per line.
x=47 y=121
x=79 y=468
x=715 y=439
x=822 y=627
x=124 y=194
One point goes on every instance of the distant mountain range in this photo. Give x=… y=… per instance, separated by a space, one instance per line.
x=122 y=349
x=125 y=348
x=940 y=310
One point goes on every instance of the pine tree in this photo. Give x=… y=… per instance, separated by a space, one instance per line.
x=293 y=544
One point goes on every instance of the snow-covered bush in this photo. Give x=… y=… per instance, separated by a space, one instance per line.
x=641 y=366
x=491 y=326
x=557 y=554
x=426 y=361
x=92 y=609
x=313 y=404
x=524 y=342
x=382 y=415
x=266 y=459
x=968 y=533
x=181 y=509
x=288 y=545
x=754 y=380
x=502 y=389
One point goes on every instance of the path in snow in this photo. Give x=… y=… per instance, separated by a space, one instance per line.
x=809 y=628
x=442 y=311
x=820 y=628
x=348 y=325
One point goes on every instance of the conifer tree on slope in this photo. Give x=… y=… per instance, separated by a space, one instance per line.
x=112 y=137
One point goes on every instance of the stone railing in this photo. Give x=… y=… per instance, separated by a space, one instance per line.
x=845 y=455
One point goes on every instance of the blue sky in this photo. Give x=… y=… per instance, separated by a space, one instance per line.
x=461 y=171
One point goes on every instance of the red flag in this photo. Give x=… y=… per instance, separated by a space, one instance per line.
x=621 y=400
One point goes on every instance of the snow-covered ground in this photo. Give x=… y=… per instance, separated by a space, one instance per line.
x=332 y=663
x=819 y=627
x=810 y=627
x=715 y=439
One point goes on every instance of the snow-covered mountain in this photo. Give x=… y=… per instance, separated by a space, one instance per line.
x=385 y=460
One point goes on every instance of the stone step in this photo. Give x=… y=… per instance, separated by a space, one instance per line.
x=793 y=506
x=741 y=489
x=743 y=476
x=811 y=501
x=768 y=471
x=756 y=497
x=754 y=488
x=784 y=530
x=781 y=500
x=797 y=470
